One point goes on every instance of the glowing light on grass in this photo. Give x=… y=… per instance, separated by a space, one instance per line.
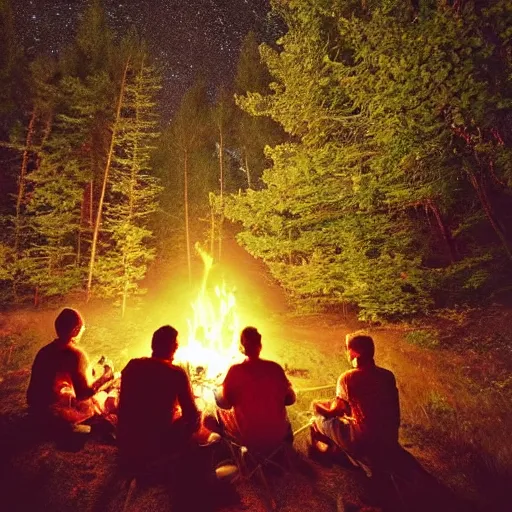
x=213 y=330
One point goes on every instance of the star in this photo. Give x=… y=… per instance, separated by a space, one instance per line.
x=184 y=37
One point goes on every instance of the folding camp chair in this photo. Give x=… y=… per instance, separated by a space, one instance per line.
x=333 y=448
x=167 y=467
x=257 y=467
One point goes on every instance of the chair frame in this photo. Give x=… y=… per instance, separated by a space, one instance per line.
x=252 y=465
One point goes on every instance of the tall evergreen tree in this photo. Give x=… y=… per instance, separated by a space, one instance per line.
x=190 y=174
x=132 y=198
x=64 y=198
x=253 y=133
x=399 y=149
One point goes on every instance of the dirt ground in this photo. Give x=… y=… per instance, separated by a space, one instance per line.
x=37 y=475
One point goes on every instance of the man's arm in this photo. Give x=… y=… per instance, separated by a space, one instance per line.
x=79 y=372
x=290 y=396
x=190 y=414
x=336 y=407
x=339 y=406
x=223 y=397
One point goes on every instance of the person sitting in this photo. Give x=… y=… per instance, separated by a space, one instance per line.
x=61 y=388
x=157 y=413
x=253 y=398
x=364 y=417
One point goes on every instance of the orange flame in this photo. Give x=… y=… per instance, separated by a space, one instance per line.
x=213 y=330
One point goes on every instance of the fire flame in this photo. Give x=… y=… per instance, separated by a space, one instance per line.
x=213 y=330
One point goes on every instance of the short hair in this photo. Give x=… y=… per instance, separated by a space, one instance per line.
x=362 y=345
x=67 y=322
x=250 y=339
x=164 y=341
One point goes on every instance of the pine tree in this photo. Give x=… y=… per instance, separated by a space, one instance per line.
x=251 y=133
x=222 y=116
x=132 y=196
x=63 y=197
x=398 y=149
x=190 y=171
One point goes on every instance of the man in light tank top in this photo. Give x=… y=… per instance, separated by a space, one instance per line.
x=364 y=417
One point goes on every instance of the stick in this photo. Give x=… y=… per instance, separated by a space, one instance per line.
x=318 y=388
x=301 y=429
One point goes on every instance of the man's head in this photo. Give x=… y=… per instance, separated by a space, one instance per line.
x=69 y=324
x=360 y=347
x=250 y=341
x=164 y=342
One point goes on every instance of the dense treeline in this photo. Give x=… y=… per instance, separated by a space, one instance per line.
x=365 y=155
x=75 y=158
x=393 y=191
x=95 y=183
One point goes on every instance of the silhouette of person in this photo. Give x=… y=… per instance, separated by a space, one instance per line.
x=61 y=384
x=253 y=398
x=157 y=413
x=364 y=417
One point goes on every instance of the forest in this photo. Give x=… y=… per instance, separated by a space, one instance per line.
x=362 y=161
x=364 y=156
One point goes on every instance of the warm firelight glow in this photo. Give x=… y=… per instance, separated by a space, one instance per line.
x=213 y=330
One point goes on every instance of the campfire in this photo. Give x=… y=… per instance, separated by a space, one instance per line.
x=213 y=335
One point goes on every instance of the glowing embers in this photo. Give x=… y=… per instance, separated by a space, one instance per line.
x=213 y=332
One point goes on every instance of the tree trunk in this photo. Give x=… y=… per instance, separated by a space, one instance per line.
x=484 y=200
x=221 y=178
x=212 y=228
x=131 y=200
x=22 y=181
x=125 y=291
x=247 y=170
x=187 y=225
x=96 y=228
x=445 y=232
x=21 y=196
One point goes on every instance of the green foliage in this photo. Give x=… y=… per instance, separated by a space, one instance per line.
x=63 y=142
x=439 y=410
x=395 y=192
x=5 y=262
x=132 y=195
x=423 y=338
x=252 y=133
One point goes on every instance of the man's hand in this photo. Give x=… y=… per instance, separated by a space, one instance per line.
x=108 y=369
x=330 y=409
x=319 y=409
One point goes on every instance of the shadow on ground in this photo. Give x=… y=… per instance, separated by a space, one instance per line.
x=84 y=476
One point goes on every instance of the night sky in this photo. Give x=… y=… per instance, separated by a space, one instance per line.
x=187 y=37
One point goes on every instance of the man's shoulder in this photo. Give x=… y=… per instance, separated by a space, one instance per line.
x=349 y=374
x=56 y=349
x=151 y=364
x=272 y=365
x=362 y=374
x=249 y=366
x=388 y=374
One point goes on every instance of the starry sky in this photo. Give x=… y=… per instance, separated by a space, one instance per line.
x=187 y=37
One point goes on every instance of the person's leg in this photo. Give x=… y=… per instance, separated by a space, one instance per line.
x=223 y=422
x=327 y=434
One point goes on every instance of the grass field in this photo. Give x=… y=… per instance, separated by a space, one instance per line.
x=453 y=373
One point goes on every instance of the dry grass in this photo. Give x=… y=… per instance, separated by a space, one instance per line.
x=455 y=398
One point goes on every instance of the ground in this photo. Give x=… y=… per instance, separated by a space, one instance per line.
x=456 y=455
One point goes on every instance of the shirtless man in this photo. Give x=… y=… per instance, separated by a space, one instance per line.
x=61 y=385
